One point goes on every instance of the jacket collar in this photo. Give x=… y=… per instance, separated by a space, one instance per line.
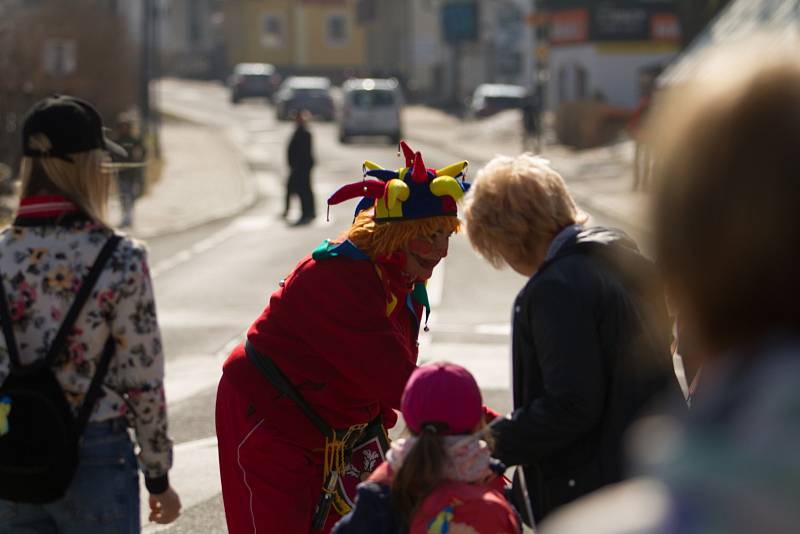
x=48 y=210
x=601 y=241
x=565 y=235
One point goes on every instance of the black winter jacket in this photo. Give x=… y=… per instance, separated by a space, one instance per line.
x=299 y=154
x=590 y=350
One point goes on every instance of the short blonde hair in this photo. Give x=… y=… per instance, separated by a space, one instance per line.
x=382 y=239
x=515 y=206
x=727 y=193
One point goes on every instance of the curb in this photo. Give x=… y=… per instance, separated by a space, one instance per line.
x=221 y=215
x=246 y=169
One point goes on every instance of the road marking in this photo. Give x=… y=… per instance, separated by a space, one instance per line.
x=435 y=285
x=240 y=224
x=194 y=475
x=187 y=376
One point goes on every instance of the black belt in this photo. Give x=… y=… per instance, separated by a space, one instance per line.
x=345 y=439
x=279 y=381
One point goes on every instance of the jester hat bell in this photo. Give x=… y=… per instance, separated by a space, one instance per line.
x=412 y=192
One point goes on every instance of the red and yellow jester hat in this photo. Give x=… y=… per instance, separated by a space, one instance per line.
x=413 y=192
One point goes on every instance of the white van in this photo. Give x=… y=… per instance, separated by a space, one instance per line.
x=370 y=107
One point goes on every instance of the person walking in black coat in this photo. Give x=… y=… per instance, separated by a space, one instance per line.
x=301 y=161
x=590 y=331
x=531 y=114
x=131 y=168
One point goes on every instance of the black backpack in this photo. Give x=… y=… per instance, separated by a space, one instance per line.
x=39 y=437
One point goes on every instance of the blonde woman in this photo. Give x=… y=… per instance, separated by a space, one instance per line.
x=588 y=348
x=45 y=255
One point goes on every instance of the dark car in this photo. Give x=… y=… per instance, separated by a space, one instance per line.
x=491 y=98
x=253 y=80
x=312 y=93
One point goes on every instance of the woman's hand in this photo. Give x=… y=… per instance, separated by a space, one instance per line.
x=165 y=507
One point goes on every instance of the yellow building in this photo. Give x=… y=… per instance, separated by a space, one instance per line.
x=297 y=36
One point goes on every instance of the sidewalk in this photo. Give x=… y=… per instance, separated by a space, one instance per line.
x=600 y=179
x=204 y=178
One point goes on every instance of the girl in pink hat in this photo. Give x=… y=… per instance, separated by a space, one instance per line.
x=441 y=479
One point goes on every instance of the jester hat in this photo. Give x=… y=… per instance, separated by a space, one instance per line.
x=412 y=192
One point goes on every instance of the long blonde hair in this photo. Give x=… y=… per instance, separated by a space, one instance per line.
x=85 y=181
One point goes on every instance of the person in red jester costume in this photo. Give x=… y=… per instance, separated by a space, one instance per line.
x=303 y=405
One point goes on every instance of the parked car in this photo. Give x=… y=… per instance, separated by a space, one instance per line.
x=371 y=107
x=312 y=93
x=253 y=79
x=490 y=98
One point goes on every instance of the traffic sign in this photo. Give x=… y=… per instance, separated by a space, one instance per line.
x=460 y=21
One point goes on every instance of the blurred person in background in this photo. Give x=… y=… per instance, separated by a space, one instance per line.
x=590 y=331
x=45 y=254
x=300 y=157
x=324 y=365
x=442 y=478
x=687 y=354
x=131 y=168
x=531 y=122
x=726 y=232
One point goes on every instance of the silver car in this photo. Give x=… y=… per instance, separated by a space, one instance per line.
x=371 y=107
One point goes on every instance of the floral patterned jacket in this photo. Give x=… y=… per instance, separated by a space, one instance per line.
x=42 y=261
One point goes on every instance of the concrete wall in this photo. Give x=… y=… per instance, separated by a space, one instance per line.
x=610 y=70
x=188 y=37
x=304 y=44
x=427 y=52
x=321 y=51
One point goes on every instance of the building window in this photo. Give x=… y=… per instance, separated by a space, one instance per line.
x=336 y=29
x=273 y=30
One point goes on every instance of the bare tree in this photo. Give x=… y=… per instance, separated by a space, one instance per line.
x=78 y=47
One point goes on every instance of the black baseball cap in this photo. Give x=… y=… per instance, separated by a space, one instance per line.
x=71 y=124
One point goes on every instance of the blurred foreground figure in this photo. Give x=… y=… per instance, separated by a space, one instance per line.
x=727 y=235
x=591 y=337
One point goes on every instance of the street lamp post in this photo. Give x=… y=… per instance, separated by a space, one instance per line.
x=145 y=66
x=538 y=20
x=149 y=66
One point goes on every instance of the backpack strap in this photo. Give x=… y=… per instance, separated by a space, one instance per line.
x=8 y=331
x=69 y=321
x=95 y=387
x=83 y=294
x=279 y=381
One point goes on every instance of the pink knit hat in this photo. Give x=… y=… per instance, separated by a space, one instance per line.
x=442 y=393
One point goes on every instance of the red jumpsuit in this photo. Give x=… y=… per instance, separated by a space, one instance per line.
x=343 y=329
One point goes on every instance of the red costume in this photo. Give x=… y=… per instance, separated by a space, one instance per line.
x=343 y=329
